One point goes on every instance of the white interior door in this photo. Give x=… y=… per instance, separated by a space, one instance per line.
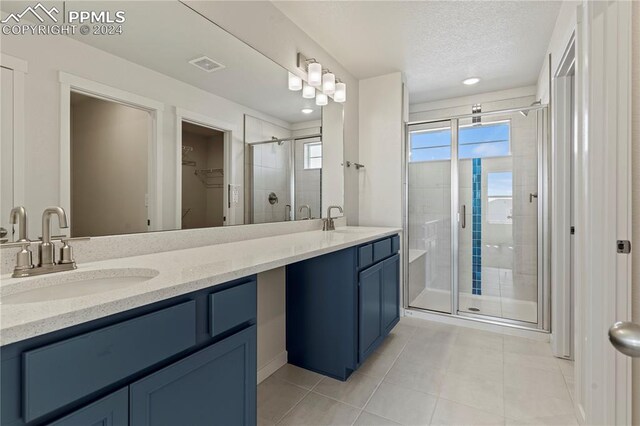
x=6 y=150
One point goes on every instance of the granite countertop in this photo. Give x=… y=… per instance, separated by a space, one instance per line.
x=173 y=273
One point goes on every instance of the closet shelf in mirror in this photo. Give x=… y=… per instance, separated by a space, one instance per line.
x=209 y=177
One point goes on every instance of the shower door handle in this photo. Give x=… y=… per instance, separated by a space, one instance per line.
x=532 y=195
x=463 y=219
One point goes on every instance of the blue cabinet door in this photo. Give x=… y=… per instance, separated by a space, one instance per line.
x=390 y=293
x=112 y=410
x=370 y=310
x=215 y=386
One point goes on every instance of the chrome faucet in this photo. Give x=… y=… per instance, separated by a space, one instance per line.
x=46 y=248
x=24 y=258
x=305 y=206
x=327 y=223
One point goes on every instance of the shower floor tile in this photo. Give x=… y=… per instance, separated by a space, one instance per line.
x=431 y=374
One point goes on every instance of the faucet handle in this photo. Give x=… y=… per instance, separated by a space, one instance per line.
x=24 y=260
x=66 y=253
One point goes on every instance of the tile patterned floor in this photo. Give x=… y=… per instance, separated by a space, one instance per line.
x=427 y=373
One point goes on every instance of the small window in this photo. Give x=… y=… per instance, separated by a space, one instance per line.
x=474 y=141
x=500 y=198
x=312 y=155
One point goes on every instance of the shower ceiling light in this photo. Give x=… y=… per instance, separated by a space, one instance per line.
x=314 y=71
x=308 y=92
x=471 y=81
x=329 y=83
x=295 y=82
x=307 y=110
x=340 y=94
x=321 y=99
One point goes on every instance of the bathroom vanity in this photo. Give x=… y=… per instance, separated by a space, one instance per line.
x=179 y=345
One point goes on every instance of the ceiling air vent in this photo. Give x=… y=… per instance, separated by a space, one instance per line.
x=206 y=64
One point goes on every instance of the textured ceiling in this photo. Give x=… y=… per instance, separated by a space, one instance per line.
x=437 y=44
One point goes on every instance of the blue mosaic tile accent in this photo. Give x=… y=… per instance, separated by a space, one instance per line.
x=476 y=236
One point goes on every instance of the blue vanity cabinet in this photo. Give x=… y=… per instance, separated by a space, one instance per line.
x=214 y=386
x=370 y=310
x=189 y=360
x=112 y=410
x=390 y=293
x=341 y=306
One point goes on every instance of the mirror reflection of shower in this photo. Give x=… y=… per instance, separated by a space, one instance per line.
x=286 y=175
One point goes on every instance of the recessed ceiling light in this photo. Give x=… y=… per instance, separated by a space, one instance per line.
x=471 y=81
x=307 y=110
x=206 y=64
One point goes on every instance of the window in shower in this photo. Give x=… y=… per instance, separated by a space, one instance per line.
x=312 y=155
x=478 y=140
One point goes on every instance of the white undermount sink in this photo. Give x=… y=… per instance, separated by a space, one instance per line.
x=75 y=284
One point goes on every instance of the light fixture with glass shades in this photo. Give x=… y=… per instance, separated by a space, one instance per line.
x=317 y=82
x=340 y=94
x=308 y=92
x=321 y=99
x=329 y=83
x=295 y=82
x=314 y=72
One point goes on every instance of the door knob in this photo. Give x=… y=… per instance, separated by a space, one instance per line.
x=625 y=337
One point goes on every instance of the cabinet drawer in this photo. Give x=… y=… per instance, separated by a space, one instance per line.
x=381 y=249
x=60 y=373
x=365 y=256
x=232 y=307
x=112 y=410
x=395 y=244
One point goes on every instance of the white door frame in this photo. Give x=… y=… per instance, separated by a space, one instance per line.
x=229 y=130
x=69 y=83
x=563 y=131
x=20 y=69
x=603 y=209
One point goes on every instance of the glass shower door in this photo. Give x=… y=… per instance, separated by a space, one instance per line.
x=498 y=211
x=429 y=216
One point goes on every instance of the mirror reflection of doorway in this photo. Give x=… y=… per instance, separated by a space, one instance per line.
x=110 y=145
x=202 y=176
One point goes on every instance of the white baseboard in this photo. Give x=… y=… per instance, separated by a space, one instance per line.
x=479 y=325
x=272 y=366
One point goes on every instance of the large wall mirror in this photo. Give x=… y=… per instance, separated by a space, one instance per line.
x=157 y=124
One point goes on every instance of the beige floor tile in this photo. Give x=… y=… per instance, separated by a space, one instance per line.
x=536 y=381
x=486 y=364
x=532 y=361
x=419 y=376
x=276 y=397
x=521 y=405
x=568 y=420
x=483 y=394
x=402 y=405
x=405 y=330
x=318 y=410
x=377 y=365
x=435 y=355
x=479 y=339
x=298 y=376
x=265 y=422
x=355 y=391
x=566 y=366
x=440 y=335
x=452 y=413
x=368 y=419
x=393 y=345
x=518 y=345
